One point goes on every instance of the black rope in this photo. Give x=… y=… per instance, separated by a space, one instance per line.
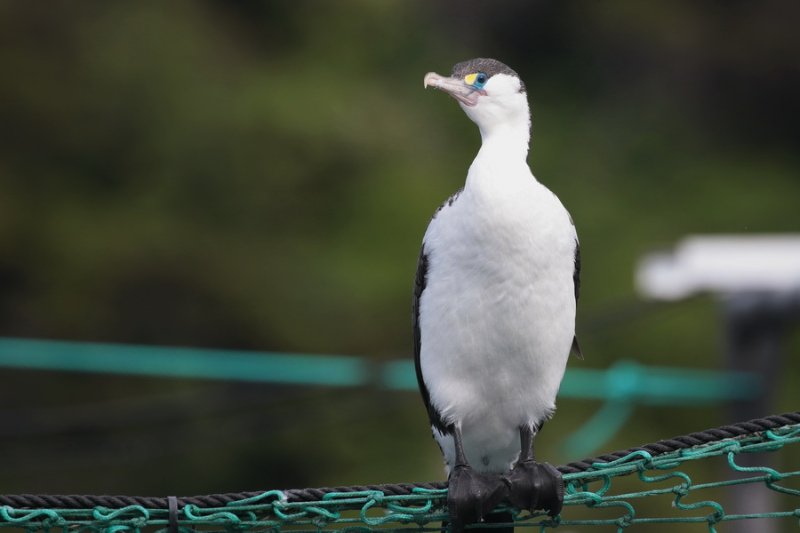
x=739 y=429
x=39 y=501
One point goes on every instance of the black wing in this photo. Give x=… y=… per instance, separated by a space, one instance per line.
x=576 y=281
x=420 y=281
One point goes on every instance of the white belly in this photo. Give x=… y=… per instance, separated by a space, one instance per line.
x=497 y=318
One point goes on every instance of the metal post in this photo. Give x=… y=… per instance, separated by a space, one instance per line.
x=755 y=328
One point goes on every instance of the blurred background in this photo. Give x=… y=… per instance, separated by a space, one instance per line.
x=258 y=176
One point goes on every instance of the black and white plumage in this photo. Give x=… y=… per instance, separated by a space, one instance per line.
x=496 y=290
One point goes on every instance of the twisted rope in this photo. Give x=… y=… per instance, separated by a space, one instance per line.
x=740 y=429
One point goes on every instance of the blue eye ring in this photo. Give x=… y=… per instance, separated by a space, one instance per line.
x=480 y=80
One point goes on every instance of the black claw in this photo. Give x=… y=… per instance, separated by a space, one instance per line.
x=472 y=495
x=536 y=486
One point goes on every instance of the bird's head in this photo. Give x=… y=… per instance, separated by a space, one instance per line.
x=489 y=92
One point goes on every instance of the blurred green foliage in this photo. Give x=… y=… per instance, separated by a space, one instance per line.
x=259 y=174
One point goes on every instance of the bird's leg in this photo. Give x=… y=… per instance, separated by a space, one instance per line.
x=471 y=495
x=458 y=441
x=526 y=443
x=534 y=485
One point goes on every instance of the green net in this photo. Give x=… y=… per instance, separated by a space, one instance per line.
x=608 y=496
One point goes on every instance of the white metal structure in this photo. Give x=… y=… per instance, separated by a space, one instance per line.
x=722 y=264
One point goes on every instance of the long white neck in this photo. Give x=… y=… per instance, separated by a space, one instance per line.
x=509 y=139
x=501 y=160
x=505 y=126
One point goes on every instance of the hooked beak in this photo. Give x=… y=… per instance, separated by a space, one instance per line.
x=456 y=88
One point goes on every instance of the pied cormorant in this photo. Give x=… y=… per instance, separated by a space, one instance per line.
x=494 y=307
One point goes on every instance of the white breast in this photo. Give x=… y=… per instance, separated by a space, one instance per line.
x=497 y=316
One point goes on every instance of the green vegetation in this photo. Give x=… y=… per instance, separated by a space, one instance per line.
x=258 y=175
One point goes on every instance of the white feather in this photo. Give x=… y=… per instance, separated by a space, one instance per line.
x=497 y=316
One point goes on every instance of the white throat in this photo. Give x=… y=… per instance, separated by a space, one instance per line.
x=511 y=139
x=501 y=167
x=505 y=126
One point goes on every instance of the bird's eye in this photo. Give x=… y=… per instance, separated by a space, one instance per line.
x=476 y=79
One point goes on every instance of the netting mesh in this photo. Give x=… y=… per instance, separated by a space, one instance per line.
x=606 y=493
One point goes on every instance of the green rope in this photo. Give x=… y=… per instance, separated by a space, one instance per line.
x=626 y=380
x=623 y=386
x=593 y=491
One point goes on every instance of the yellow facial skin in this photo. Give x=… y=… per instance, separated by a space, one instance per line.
x=469 y=79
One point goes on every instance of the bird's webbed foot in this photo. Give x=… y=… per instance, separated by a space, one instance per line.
x=536 y=486
x=472 y=495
